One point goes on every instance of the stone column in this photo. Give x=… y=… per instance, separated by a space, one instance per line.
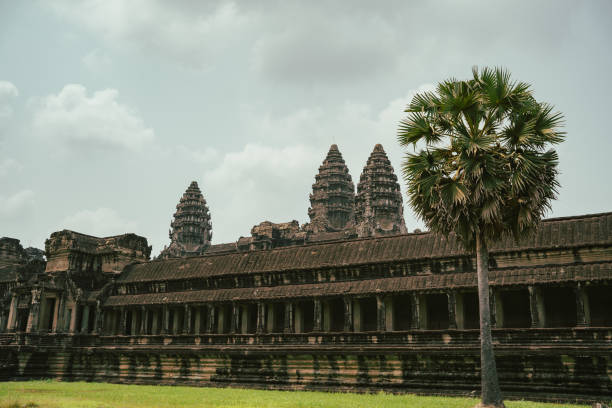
x=499 y=309
x=187 y=320
x=318 y=315
x=123 y=326
x=175 y=321
x=244 y=321
x=536 y=307
x=289 y=323
x=261 y=317
x=452 y=312
x=459 y=311
x=144 y=320
x=389 y=317
x=55 y=315
x=583 y=312
x=12 y=317
x=415 y=302
x=348 y=314
x=299 y=318
x=356 y=304
x=235 y=319
x=221 y=319
x=165 y=320
x=492 y=307
x=270 y=320
x=85 y=319
x=326 y=316
x=198 y=320
x=210 y=324
x=98 y=319
x=34 y=317
x=60 y=325
x=155 y=321
x=381 y=313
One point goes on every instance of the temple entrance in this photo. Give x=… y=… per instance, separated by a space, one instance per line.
x=470 y=315
x=248 y=321
x=559 y=306
x=224 y=318
x=47 y=318
x=402 y=312
x=515 y=309
x=600 y=304
x=437 y=311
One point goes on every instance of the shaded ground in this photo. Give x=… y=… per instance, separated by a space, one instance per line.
x=99 y=395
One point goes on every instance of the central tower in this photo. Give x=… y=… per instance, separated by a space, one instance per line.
x=332 y=202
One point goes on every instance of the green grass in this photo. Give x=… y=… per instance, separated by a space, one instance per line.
x=47 y=394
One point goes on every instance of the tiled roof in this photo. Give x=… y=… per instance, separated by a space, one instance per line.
x=519 y=276
x=578 y=231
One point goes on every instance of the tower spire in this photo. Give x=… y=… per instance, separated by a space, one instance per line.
x=379 y=208
x=191 y=229
x=332 y=202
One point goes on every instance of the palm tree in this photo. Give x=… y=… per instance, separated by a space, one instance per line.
x=486 y=170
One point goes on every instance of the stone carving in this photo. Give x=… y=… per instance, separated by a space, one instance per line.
x=191 y=228
x=332 y=202
x=379 y=208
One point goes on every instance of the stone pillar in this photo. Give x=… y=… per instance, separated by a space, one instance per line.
x=34 y=316
x=536 y=307
x=261 y=317
x=357 y=327
x=123 y=327
x=289 y=323
x=165 y=320
x=85 y=319
x=210 y=324
x=389 y=317
x=492 y=307
x=73 y=318
x=459 y=310
x=299 y=318
x=12 y=317
x=499 y=309
x=244 y=319
x=144 y=319
x=348 y=314
x=583 y=312
x=155 y=321
x=98 y=319
x=235 y=319
x=416 y=310
x=318 y=315
x=381 y=313
x=197 y=327
x=55 y=315
x=176 y=320
x=451 y=304
x=61 y=311
x=187 y=320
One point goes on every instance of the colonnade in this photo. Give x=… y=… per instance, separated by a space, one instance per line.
x=525 y=306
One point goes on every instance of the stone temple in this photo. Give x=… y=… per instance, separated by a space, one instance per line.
x=348 y=301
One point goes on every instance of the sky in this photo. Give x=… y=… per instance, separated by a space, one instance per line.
x=109 y=109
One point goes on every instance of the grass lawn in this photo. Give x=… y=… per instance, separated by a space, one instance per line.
x=45 y=394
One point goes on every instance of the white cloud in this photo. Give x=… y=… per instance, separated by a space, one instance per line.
x=13 y=205
x=99 y=121
x=258 y=183
x=9 y=165
x=190 y=33
x=8 y=91
x=100 y=222
x=97 y=61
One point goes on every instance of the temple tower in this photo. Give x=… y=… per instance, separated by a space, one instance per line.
x=332 y=202
x=191 y=228
x=379 y=208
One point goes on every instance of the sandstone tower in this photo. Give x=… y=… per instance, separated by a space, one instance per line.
x=378 y=206
x=332 y=202
x=191 y=228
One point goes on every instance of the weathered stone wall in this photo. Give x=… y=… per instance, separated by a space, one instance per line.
x=576 y=363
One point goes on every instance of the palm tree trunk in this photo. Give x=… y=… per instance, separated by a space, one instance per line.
x=491 y=394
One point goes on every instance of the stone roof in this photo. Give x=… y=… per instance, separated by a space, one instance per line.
x=517 y=276
x=587 y=230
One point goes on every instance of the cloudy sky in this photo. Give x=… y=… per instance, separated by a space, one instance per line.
x=109 y=109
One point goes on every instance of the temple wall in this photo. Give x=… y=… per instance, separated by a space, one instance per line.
x=443 y=362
